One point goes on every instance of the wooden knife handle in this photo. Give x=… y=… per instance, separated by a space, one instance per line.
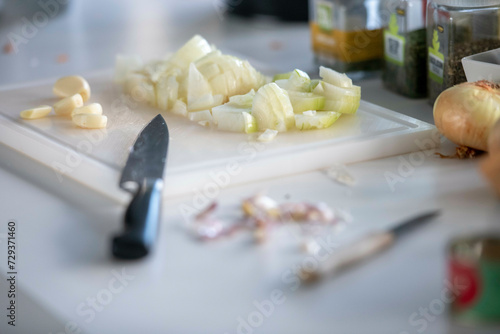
x=350 y=255
x=359 y=251
x=142 y=220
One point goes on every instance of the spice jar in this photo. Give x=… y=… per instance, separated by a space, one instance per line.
x=474 y=276
x=347 y=35
x=456 y=29
x=405 y=49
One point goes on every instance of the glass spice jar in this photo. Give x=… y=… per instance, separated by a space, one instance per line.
x=347 y=35
x=456 y=29
x=474 y=275
x=405 y=49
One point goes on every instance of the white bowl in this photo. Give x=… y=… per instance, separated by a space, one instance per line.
x=483 y=66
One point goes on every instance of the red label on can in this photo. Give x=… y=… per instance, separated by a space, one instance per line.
x=465 y=278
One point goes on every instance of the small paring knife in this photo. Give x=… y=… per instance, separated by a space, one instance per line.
x=143 y=177
x=362 y=249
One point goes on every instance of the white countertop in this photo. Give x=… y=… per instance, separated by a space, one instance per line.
x=192 y=287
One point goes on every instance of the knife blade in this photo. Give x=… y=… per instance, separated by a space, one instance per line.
x=363 y=248
x=143 y=177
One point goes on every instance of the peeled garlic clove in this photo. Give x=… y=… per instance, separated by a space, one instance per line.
x=68 y=104
x=34 y=113
x=90 y=121
x=71 y=85
x=93 y=109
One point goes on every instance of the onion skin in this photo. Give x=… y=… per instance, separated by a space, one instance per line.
x=466 y=113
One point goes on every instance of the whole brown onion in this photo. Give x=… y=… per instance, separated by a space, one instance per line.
x=466 y=113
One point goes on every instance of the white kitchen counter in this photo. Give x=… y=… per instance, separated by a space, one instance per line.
x=192 y=287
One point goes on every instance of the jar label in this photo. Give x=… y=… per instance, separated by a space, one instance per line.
x=324 y=15
x=394 y=44
x=466 y=283
x=476 y=289
x=436 y=60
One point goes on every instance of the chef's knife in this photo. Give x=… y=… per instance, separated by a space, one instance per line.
x=143 y=177
x=364 y=248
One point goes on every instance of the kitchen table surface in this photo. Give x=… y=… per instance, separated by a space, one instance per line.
x=68 y=283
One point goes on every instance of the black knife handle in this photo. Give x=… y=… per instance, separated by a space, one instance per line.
x=142 y=220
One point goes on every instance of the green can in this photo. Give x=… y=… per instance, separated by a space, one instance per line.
x=474 y=272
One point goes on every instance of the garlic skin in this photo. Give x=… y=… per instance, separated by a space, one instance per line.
x=466 y=113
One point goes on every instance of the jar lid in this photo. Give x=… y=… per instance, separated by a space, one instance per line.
x=468 y=3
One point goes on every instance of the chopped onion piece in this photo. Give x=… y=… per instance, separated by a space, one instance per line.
x=320 y=120
x=199 y=91
x=340 y=174
x=207 y=101
x=313 y=85
x=196 y=48
x=302 y=101
x=209 y=71
x=208 y=59
x=281 y=76
x=235 y=121
x=338 y=99
x=334 y=77
x=267 y=135
x=299 y=81
x=272 y=108
x=202 y=115
x=167 y=89
x=179 y=108
x=243 y=101
x=228 y=107
x=141 y=89
x=309 y=112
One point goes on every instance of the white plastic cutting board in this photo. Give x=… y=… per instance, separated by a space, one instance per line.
x=199 y=159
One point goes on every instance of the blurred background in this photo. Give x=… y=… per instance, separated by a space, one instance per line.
x=48 y=38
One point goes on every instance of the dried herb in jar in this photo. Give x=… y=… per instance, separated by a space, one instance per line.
x=409 y=77
x=457 y=29
x=454 y=73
